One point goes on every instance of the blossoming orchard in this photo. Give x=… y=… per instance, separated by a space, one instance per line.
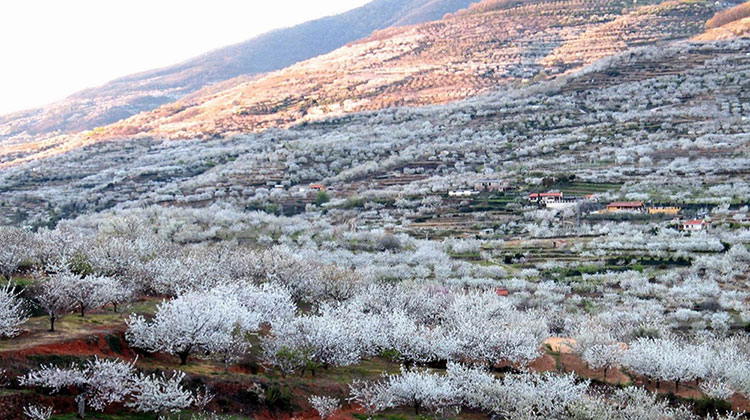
x=574 y=248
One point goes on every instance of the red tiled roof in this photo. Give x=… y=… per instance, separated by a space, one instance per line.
x=693 y=222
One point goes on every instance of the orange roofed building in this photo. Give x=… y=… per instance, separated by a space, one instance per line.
x=625 y=206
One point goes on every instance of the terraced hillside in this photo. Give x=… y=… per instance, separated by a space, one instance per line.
x=477 y=50
x=686 y=114
x=433 y=63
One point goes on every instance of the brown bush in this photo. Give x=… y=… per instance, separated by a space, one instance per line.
x=730 y=15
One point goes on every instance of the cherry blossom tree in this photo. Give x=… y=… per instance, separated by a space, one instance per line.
x=414 y=343
x=55 y=246
x=92 y=291
x=324 y=405
x=99 y=382
x=14 y=250
x=598 y=346
x=422 y=390
x=488 y=329
x=13 y=311
x=532 y=394
x=373 y=396
x=666 y=359
x=159 y=393
x=37 y=412
x=194 y=323
x=514 y=396
x=311 y=341
x=52 y=296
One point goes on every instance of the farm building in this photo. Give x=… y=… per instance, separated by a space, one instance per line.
x=462 y=193
x=491 y=185
x=563 y=203
x=664 y=210
x=625 y=206
x=591 y=197
x=545 y=197
x=318 y=187
x=693 y=225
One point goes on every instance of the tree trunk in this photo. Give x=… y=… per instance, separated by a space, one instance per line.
x=676 y=386
x=52 y=323
x=605 y=373
x=83 y=310
x=81 y=406
x=183 y=357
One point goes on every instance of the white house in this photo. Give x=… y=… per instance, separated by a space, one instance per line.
x=545 y=197
x=462 y=193
x=693 y=225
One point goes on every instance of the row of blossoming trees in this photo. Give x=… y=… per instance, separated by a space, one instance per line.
x=407 y=302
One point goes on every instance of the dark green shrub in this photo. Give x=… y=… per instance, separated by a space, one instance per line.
x=278 y=397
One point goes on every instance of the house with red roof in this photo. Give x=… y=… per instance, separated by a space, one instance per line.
x=693 y=225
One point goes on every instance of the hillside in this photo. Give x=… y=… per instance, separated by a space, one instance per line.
x=738 y=28
x=560 y=230
x=130 y=95
x=686 y=114
x=727 y=24
x=462 y=55
x=433 y=63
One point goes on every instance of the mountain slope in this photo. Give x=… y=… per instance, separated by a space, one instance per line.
x=129 y=95
x=727 y=24
x=431 y=63
x=493 y=43
x=682 y=129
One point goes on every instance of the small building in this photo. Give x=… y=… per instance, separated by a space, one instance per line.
x=491 y=185
x=591 y=197
x=500 y=291
x=693 y=225
x=625 y=206
x=545 y=197
x=317 y=187
x=487 y=232
x=664 y=210
x=561 y=203
x=462 y=193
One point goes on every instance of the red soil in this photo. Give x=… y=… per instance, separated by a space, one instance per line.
x=96 y=344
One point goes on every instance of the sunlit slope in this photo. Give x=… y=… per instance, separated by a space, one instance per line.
x=433 y=63
x=129 y=95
